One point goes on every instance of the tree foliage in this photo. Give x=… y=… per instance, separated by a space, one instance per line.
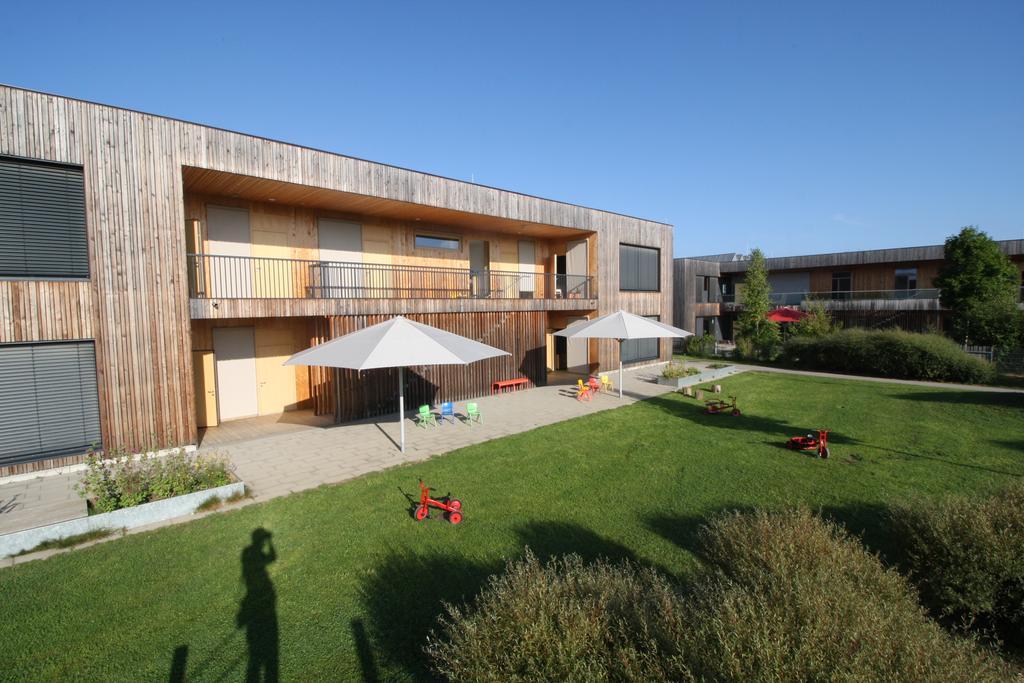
x=979 y=285
x=817 y=323
x=759 y=333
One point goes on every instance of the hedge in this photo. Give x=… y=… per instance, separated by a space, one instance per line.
x=889 y=353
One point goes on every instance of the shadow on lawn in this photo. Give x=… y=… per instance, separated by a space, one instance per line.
x=868 y=522
x=1005 y=399
x=405 y=594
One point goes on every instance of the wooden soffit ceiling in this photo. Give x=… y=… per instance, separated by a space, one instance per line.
x=235 y=186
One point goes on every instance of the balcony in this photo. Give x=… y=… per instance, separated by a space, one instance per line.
x=895 y=299
x=217 y=278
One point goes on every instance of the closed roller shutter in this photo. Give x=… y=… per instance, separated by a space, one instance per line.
x=635 y=350
x=639 y=268
x=42 y=220
x=48 y=401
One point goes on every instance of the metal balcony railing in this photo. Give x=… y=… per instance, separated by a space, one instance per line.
x=250 y=277
x=797 y=298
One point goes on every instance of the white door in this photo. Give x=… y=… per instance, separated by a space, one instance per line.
x=230 y=252
x=577 y=352
x=576 y=268
x=235 y=351
x=527 y=264
x=341 y=246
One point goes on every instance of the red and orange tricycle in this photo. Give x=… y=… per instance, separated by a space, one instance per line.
x=452 y=506
x=818 y=445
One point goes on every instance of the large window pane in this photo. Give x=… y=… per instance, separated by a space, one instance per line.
x=639 y=268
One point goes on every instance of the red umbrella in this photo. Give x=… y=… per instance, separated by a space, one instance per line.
x=786 y=315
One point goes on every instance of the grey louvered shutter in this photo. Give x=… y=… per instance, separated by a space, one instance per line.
x=48 y=401
x=42 y=220
x=650 y=269
x=629 y=267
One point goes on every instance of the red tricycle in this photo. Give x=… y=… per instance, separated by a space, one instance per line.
x=714 y=406
x=452 y=506
x=817 y=444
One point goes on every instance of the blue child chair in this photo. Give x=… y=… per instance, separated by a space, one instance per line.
x=448 y=411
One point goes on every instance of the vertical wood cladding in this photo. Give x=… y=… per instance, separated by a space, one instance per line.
x=351 y=395
x=136 y=304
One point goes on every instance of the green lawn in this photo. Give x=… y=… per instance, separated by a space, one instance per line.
x=358 y=583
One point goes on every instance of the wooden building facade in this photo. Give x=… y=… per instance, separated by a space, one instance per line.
x=878 y=288
x=305 y=245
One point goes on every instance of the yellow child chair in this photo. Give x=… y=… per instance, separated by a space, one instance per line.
x=606 y=384
x=582 y=391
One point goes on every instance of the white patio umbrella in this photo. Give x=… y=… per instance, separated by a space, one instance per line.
x=621 y=326
x=396 y=343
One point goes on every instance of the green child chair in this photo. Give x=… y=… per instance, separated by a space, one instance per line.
x=426 y=417
x=473 y=414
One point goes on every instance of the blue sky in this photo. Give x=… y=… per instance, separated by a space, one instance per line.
x=797 y=127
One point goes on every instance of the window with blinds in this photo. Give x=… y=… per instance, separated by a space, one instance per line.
x=42 y=220
x=639 y=268
x=636 y=350
x=48 y=400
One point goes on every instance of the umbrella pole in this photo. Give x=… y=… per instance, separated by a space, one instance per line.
x=401 y=406
x=620 y=368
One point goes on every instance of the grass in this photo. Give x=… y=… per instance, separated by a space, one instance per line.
x=358 y=584
x=70 y=541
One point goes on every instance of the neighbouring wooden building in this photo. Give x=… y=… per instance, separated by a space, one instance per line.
x=154 y=274
x=877 y=288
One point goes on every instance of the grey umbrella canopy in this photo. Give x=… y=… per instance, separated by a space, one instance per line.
x=396 y=343
x=621 y=326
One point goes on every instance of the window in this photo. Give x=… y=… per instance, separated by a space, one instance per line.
x=842 y=283
x=702 y=289
x=906 y=278
x=42 y=220
x=639 y=268
x=437 y=242
x=48 y=400
x=636 y=350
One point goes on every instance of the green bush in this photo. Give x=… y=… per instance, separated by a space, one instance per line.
x=563 y=621
x=784 y=596
x=788 y=596
x=889 y=353
x=700 y=344
x=116 y=479
x=967 y=558
x=677 y=369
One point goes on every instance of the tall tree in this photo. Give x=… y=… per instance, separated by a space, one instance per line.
x=979 y=285
x=753 y=323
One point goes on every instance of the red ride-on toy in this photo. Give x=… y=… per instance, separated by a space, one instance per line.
x=817 y=444
x=452 y=506
x=714 y=406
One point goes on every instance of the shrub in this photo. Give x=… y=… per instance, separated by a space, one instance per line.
x=785 y=596
x=788 y=596
x=966 y=558
x=675 y=370
x=563 y=621
x=700 y=344
x=889 y=353
x=116 y=479
x=817 y=322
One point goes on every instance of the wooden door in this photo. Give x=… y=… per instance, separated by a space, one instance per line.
x=577 y=351
x=275 y=381
x=205 y=381
x=272 y=270
x=230 y=241
x=235 y=351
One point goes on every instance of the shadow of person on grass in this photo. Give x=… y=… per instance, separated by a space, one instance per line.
x=257 y=613
x=405 y=593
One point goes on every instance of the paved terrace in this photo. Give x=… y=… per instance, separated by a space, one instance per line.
x=281 y=454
